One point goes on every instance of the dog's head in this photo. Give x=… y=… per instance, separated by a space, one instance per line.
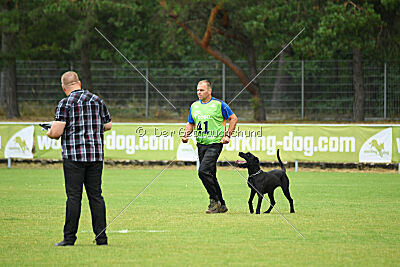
x=251 y=160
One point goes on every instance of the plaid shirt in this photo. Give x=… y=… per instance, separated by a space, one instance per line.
x=85 y=115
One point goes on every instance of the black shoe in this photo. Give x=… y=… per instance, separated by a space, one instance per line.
x=63 y=244
x=214 y=206
x=222 y=209
x=212 y=202
x=102 y=240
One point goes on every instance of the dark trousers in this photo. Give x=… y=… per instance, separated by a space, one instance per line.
x=76 y=175
x=208 y=156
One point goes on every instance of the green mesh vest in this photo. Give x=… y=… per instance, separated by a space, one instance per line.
x=208 y=122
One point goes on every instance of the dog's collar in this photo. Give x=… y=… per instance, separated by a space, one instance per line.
x=254 y=174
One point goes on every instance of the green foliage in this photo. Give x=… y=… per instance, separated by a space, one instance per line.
x=347 y=26
x=56 y=29
x=143 y=30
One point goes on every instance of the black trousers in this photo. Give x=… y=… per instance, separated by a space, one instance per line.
x=77 y=174
x=208 y=156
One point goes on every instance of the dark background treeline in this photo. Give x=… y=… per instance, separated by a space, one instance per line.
x=242 y=35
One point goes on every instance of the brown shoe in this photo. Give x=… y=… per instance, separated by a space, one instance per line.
x=213 y=207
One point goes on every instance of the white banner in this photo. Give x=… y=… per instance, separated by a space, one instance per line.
x=377 y=148
x=20 y=144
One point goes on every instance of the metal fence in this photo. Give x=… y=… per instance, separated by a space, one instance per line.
x=294 y=90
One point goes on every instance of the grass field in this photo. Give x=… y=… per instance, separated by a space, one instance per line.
x=347 y=219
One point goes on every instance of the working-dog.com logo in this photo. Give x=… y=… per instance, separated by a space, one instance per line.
x=20 y=144
x=377 y=148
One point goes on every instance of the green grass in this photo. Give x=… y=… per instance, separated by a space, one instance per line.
x=347 y=219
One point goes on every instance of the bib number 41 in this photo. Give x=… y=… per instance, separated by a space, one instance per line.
x=200 y=129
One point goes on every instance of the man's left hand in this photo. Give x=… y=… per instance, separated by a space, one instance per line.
x=225 y=140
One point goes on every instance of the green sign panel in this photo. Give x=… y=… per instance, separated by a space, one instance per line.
x=134 y=141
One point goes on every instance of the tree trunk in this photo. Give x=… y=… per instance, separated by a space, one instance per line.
x=358 y=85
x=257 y=99
x=86 y=75
x=258 y=106
x=281 y=80
x=9 y=75
x=3 y=102
x=85 y=34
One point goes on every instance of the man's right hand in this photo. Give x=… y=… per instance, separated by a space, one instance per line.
x=188 y=130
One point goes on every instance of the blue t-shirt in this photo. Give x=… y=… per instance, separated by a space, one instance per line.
x=225 y=110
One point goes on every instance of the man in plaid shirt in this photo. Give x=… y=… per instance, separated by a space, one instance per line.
x=80 y=120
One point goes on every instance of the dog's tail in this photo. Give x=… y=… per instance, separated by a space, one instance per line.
x=280 y=161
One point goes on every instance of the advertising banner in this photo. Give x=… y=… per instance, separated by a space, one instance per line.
x=152 y=141
x=16 y=141
x=396 y=144
x=46 y=148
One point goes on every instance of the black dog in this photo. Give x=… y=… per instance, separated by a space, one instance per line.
x=265 y=182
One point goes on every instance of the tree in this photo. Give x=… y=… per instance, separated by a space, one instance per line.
x=130 y=25
x=220 y=23
x=388 y=38
x=10 y=26
x=25 y=35
x=83 y=38
x=78 y=19
x=282 y=79
x=354 y=28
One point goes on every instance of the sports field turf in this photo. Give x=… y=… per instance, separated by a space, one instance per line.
x=347 y=219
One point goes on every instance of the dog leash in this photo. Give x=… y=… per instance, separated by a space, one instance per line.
x=254 y=174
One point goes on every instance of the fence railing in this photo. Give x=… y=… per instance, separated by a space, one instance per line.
x=294 y=90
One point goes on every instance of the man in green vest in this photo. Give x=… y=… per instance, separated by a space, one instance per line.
x=207 y=117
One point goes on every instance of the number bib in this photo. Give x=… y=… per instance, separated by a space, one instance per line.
x=208 y=121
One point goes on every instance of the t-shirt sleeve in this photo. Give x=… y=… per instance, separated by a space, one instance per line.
x=226 y=110
x=61 y=111
x=190 y=118
x=105 y=114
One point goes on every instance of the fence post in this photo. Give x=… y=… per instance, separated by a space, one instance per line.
x=302 y=89
x=296 y=166
x=147 y=91
x=9 y=163
x=223 y=82
x=384 y=91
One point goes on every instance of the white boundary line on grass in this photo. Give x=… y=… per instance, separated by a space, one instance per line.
x=125 y=231
x=133 y=200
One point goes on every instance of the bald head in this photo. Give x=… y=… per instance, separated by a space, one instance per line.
x=69 y=78
x=204 y=90
x=70 y=82
x=206 y=83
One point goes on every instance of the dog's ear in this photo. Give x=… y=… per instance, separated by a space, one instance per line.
x=257 y=160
